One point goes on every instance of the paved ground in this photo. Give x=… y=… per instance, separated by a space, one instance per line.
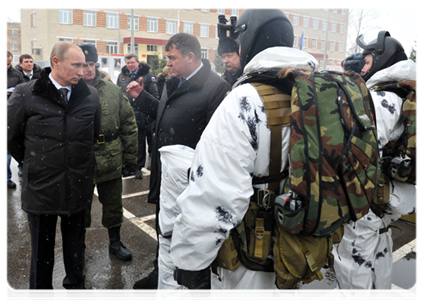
x=105 y=271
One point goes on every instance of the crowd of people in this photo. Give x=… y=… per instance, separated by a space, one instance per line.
x=94 y=131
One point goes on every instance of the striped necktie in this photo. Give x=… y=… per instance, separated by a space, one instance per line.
x=64 y=92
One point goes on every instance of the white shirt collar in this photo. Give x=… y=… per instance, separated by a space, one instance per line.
x=58 y=86
x=195 y=72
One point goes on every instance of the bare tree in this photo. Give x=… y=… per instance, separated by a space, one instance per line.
x=360 y=21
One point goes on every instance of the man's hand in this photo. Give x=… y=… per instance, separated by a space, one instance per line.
x=134 y=88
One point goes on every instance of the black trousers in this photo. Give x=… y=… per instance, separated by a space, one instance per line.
x=43 y=236
x=142 y=134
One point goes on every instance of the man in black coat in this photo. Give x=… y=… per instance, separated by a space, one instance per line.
x=29 y=69
x=189 y=99
x=228 y=49
x=53 y=123
x=133 y=71
x=13 y=79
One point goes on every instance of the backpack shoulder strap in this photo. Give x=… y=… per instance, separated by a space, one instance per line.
x=278 y=111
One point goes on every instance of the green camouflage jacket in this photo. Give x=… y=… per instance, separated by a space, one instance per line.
x=120 y=141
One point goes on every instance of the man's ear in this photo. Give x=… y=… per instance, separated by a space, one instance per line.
x=191 y=57
x=55 y=61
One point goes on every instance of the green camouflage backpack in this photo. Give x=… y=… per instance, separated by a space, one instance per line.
x=334 y=167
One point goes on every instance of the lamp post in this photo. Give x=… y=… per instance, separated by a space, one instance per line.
x=326 y=40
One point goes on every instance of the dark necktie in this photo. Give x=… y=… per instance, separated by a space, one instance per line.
x=181 y=82
x=64 y=93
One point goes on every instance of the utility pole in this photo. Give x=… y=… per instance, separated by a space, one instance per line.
x=132 y=32
x=326 y=41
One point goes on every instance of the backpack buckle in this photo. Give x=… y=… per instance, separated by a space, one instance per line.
x=259 y=232
x=101 y=139
x=264 y=198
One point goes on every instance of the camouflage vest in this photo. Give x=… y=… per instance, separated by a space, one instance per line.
x=334 y=167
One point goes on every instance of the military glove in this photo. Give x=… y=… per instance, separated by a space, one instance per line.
x=193 y=279
x=128 y=169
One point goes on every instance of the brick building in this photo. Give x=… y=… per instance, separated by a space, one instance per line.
x=14 y=40
x=110 y=30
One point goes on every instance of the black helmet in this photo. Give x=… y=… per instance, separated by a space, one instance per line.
x=385 y=50
x=260 y=29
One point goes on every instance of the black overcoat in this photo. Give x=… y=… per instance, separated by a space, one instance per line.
x=55 y=142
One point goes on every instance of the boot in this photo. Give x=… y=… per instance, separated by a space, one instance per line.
x=148 y=283
x=116 y=247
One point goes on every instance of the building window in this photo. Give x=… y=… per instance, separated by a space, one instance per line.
x=324 y=25
x=14 y=46
x=340 y=47
x=188 y=27
x=14 y=32
x=204 y=31
x=112 y=47
x=89 y=18
x=204 y=53
x=305 y=22
x=295 y=20
x=33 y=19
x=170 y=27
x=220 y=11
x=128 y=48
x=315 y=23
x=333 y=26
x=323 y=45
x=235 y=12
x=111 y=20
x=341 y=28
x=136 y=23
x=66 y=40
x=313 y=43
x=305 y=43
x=152 y=48
x=205 y=9
x=152 y=24
x=65 y=16
x=343 y=11
x=332 y=46
x=295 y=45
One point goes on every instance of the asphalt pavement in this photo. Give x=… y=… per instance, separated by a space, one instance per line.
x=104 y=271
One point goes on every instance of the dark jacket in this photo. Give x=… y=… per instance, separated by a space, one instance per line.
x=232 y=78
x=161 y=80
x=36 y=71
x=119 y=129
x=55 y=142
x=182 y=114
x=150 y=86
x=14 y=77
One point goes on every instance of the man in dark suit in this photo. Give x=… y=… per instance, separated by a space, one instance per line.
x=53 y=123
x=189 y=99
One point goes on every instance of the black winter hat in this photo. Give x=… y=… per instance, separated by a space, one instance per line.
x=354 y=62
x=227 y=45
x=90 y=52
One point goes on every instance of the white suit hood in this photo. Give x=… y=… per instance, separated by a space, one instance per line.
x=281 y=57
x=402 y=70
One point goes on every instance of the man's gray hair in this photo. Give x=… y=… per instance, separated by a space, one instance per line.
x=131 y=55
x=60 y=50
x=185 y=43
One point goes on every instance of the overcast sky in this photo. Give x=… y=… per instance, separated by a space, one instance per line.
x=400 y=22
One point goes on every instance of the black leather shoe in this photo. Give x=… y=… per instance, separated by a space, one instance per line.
x=138 y=174
x=81 y=294
x=118 y=249
x=11 y=184
x=148 y=283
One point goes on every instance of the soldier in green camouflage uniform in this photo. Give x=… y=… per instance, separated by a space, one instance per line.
x=116 y=149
